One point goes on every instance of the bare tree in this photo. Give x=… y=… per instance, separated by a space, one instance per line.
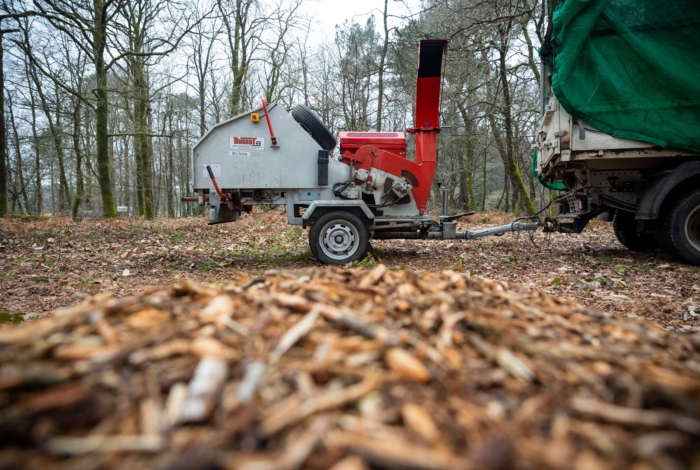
x=201 y=43
x=241 y=22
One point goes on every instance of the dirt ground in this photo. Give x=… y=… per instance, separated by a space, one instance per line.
x=52 y=263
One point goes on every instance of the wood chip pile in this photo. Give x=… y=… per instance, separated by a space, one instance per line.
x=346 y=370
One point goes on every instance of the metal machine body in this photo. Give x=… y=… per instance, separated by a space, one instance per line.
x=371 y=190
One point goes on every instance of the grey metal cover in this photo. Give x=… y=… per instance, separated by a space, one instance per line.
x=246 y=158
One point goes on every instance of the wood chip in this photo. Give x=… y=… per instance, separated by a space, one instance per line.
x=84 y=445
x=418 y=420
x=372 y=277
x=327 y=400
x=294 y=334
x=349 y=370
x=406 y=365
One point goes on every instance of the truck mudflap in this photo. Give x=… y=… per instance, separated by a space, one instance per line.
x=657 y=192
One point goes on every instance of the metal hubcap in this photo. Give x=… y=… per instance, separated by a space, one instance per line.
x=692 y=228
x=339 y=239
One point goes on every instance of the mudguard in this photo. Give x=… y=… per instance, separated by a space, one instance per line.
x=656 y=193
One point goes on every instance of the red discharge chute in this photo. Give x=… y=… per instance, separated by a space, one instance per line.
x=428 y=84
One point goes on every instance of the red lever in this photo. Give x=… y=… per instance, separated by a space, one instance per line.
x=223 y=197
x=216 y=186
x=269 y=123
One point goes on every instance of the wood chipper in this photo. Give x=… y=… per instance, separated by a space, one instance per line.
x=269 y=156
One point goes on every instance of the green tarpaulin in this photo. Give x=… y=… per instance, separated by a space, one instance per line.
x=631 y=68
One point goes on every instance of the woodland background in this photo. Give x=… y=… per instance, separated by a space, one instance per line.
x=104 y=99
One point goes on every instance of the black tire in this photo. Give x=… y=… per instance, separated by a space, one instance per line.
x=339 y=237
x=313 y=125
x=625 y=228
x=679 y=230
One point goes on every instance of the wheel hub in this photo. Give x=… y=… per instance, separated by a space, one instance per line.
x=692 y=228
x=339 y=240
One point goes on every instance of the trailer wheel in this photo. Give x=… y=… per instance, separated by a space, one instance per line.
x=313 y=125
x=625 y=228
x=338 y=237
x=679 y=234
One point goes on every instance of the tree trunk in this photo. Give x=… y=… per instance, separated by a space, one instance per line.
x=141 y=144
x=236 y=36
x=3 y=139
x=20 y=169
x=64 y=193
x=53 y=187
x=524 y=201
x=202 y=114
x=87 y=196
x=171 y=171
x=483 y=192
x=65 y=196
x=109 y=208
x=79 y=184
x=237 y=70
x=466 y=175
x=38 y=190
x=139 y=179
x=382 y=61
x=506 y=190
x=530 y=50
x=463 y=191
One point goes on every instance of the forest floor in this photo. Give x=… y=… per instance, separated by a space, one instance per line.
x=51 y=263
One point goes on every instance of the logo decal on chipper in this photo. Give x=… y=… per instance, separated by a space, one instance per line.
x=247 y=143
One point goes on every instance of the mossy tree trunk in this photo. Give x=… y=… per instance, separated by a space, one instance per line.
x=142 y=148
x=524 y=203
x=3 y=139
x=99 y=39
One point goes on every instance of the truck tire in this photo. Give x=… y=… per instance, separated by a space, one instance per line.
x=313 y=125
x=339 y=237
x=625 y=228
x=679 y=233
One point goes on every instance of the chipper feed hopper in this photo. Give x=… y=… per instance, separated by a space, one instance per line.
x=271 y=156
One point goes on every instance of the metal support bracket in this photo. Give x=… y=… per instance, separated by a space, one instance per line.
x=452 y=218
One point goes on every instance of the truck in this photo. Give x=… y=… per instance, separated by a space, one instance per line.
x=619 y=137
x=369 y=190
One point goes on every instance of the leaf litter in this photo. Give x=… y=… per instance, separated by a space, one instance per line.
x=346 y=369
x=53 y=263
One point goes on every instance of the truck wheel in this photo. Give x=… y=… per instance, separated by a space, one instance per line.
x=625 y=228
x=313 y=125
x=339 y=237
x=679 y=234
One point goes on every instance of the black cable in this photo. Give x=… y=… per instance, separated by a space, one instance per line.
x=545 y=207
x=536 y=214
x=343 y=187
x=384 y=204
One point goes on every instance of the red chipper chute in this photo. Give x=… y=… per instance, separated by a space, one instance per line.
x=386 y=151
